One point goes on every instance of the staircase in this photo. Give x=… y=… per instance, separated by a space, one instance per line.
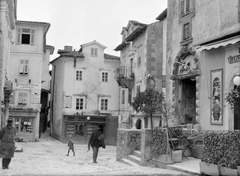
x=133 y=159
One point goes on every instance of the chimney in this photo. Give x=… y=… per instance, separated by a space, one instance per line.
x=68 y=48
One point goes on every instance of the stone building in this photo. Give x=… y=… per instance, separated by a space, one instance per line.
x=8 y=16
x=27 y=69
x=202 y=39
x=142 y=59
x=84 y=93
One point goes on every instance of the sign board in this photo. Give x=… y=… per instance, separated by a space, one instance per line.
x=26 y=85
x=67 y=101
x=35 y=97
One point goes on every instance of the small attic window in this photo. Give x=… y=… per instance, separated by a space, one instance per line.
x=94 y=52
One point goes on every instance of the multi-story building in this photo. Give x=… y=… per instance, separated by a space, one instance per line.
x=203 y=50
x=84 y=93
x=27 y=71
x=141 y=67
x=7 y=25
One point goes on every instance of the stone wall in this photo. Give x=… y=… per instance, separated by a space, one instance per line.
x=128 y=140
x=146 y=136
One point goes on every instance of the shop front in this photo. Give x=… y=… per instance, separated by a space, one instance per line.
x=25 y=122
x=80 y=127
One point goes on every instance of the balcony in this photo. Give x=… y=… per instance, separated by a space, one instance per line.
x=125 y=77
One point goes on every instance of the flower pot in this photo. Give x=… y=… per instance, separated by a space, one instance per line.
x=209 y=169
x=226 y=171
x=164 y=158
x=177 y=156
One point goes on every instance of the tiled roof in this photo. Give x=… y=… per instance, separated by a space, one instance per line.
x=111 y=57
x=137 y=23
x=162 y=16
x=70 y=53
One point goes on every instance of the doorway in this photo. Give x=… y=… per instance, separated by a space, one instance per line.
x=236 y=120
x=188 y=101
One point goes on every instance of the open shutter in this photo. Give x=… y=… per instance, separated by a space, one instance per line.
x=20 y=98
x=187 y=6
x=32 y=37
x=19 y=36
x=24 y=98
x=26 y=67
x=21 y=71
x=182 y=7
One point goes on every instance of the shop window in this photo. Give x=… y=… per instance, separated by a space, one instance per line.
x=25 y=36
x=23 y=67
x=23 y=125
x=94 y=52
x=79 y=103
x=22 y=98
x=104 y=104
x=78 y=75
x=104 y=76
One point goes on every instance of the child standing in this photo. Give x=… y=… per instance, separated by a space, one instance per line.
x=70 y=146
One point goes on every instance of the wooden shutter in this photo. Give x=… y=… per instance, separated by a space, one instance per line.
x=187 y=6
x=21 y=67
x=26 y=67
x=24 y=98
x=19 y=36
x=182 y=7
x=32 y=37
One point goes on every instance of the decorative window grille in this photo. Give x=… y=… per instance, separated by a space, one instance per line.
x=104 y=76
x=78 y=75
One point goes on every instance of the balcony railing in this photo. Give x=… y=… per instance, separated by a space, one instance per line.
x=125 y=77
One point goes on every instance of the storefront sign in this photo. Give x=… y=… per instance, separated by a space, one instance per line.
x=234 y=59
x=67 y=101
x=26 y=86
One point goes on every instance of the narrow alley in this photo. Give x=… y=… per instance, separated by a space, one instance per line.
x=48 y=157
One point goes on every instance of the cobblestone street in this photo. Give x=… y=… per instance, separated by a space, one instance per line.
x=48 y=157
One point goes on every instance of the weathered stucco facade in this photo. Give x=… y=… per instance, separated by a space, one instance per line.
x=7 y=25
x=191 y=66
x=27 y=67
x=83 y=85
x=141 y=68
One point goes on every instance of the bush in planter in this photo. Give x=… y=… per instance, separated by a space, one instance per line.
x=158 y=144
x=222 y=148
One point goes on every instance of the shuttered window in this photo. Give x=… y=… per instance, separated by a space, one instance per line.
x=25 y=36
x=22 y=98
x=23 y=67
x=185 y=6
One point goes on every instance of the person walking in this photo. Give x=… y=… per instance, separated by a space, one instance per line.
x=70 y=146
x=95 y=141
x=7 y=144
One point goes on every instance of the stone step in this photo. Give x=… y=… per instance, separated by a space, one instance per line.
x=127 y=161
x=134 y=158
x=137 y=153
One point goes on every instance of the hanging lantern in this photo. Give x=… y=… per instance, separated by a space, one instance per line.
x=236 y=80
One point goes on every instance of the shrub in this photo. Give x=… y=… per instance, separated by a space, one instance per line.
x=222 y=148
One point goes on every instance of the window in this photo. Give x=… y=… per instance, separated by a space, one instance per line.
x=139 y=60
x=104 y=104
x=94 y=52
x=123 y=96
x=22 y=98
x=79 y=103
x=185 y=7
x=138 y=89
x=104 y=76
x=129 y=96
x=186 y=31
x=78 y=75
x=23 y=67
x=25 y=36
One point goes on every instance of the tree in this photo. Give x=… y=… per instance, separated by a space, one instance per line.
x=148 y=102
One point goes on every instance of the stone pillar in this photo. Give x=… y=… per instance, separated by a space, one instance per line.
x=146 y=136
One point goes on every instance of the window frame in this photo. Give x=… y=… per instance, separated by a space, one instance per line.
x=24 y=67
x=23 y=100
x=94 y=52
x=123 y=96
x=79 y=77
x=78 y=106
x=103 y=106
x=21 y=32
x=104 y=76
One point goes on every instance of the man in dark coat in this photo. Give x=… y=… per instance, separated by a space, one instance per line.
x=7 y=144
x=95 y=143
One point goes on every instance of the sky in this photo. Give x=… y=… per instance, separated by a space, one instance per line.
x=76 y=22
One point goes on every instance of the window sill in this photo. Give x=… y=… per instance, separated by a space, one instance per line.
x=185 y=42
